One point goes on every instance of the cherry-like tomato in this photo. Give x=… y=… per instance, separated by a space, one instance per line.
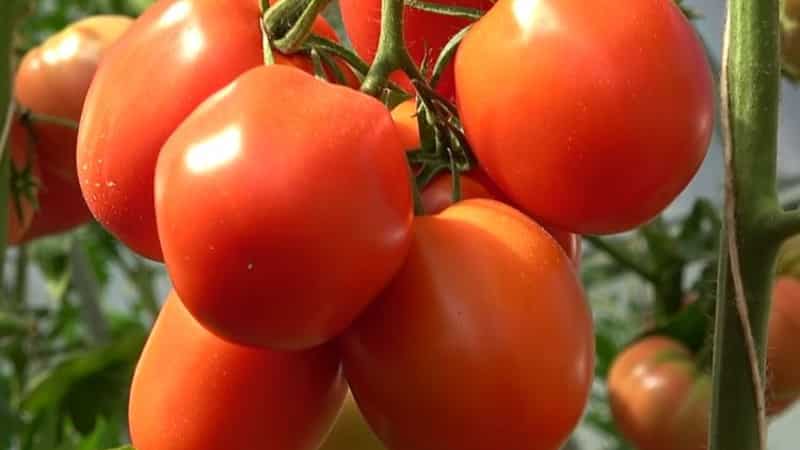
x=195 y=391
x=283 y=207
x=482 y=341
x=425 y=33
x=52 y=80
x=783 y=359
x=572 y=111
x=176 y=55
x=658 y=397
x=438 y=194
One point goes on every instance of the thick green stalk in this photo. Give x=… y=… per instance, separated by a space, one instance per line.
x=750 y=93
x=392 y=53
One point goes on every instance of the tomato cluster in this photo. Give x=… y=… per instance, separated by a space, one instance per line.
x=661 y=398
x=281 y=206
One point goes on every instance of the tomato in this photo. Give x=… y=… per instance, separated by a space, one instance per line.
x=578 y=127
x=297 y=216
x=438 y=194
x=20 y=208
x=425 y=33
x=482 y=341
x=53 y=79
x=658 y=397
x=194 y=391
x=783 y=361
x=351 y=432
x=175 y=55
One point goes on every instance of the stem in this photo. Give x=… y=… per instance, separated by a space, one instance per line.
x=289 y=22
x=21 y=282
x=784 y=225
x=86 y=284
x=392 y=53
x=623 y=257
x=750 y=93
x=446 y=10
x=45 y=118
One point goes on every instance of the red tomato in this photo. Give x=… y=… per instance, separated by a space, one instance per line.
x=176 y=54
x=53 y=79
x=482 y=341
x=405 y=118
x=658 y=397
x=424 y=32
x=20 y=209
x=783 y=360
x=195 y=391
x=296 y=192
x=578 y=126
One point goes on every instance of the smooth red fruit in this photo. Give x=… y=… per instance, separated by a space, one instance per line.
x=578 y=127
x=425 y=33
x=405 y=118
x=482 y=341
x=783 y=359
x=195 y=391
x=20 y=208
x=283 y=207
x=177 y=54
x=52 y=80
x=658 y=397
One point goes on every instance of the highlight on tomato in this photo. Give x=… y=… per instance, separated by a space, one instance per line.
x=194 y=391
x=586 y=135
x=285 y=258
x=450 y=356
x=52 y=80
x=208 y=44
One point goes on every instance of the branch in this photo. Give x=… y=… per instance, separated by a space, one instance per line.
x=623 y=257
x=783 y=225
x=86 y=284
x=446 y=10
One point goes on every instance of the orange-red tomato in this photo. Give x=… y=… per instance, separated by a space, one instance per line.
x=20 y=209
x=783 y=359
x=658 y=397
x=573 y=126
x=405 y=118
x=53 y=79
x=297 y=216
x=482 y=341
x=425 y=33
x=195 y=391
x=176 y=54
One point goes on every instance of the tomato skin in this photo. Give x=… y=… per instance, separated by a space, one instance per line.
x=586 y=133
x=288 y=260
x=658 y=398
x=783 y=360
x=208 y=43
x=20 y=216
x=194 y=391
x=423 y=31
x=405 y=118
x=436 y=360
x=53 y=79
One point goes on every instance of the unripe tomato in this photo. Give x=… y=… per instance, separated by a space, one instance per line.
x=658 y=397
x=482 y=341
x=195 y=391
x=425 y=33
x=580 y=129
x=438 y=194
x=176 y=55
x=283 y=207
x=351 y=432
x=53 y=79
x=783 y=359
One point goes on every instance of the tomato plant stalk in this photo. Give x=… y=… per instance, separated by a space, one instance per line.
x=755 y=224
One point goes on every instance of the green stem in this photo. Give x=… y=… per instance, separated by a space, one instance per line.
x=446 y=10
x=622 y=256
x=289 y=22
x=392 y=53
x=750 y=94
x=87 y=286
x=21 y=275
x=54 y=120
x=784 y=225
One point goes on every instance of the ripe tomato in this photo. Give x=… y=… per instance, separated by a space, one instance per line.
x=289 y=258
x=578 y=127
x=195 y=391
x=351 y=432
x=20 y=208
x=783 y=360
x=482 y=341
x=658 y=397
x=438 y=194
x=176 y=54
x=424 y=32
x=53 y=79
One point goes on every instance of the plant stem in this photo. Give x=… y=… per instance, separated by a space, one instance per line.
x=21 y=281
x=750 y=93
x=446 y=10
x=289 y=22
x=392 y=53
x=86 y=284
x=623 y=257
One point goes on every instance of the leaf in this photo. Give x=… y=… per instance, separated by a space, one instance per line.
x=51 y=386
